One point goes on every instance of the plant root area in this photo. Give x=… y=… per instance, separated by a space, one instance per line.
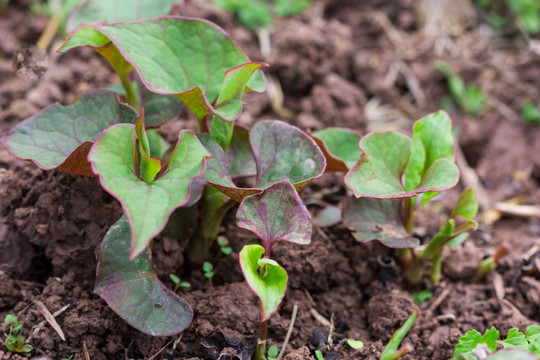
x=366 y=65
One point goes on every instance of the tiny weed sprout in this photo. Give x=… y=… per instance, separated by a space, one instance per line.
x=469 y=97
x=422 y=296
x=489 y=264
x=208 y=270
x=530 y=114
x=276 y=214
x=517 y=345
x=272 y=352
x=178 y=283
x=392 y=351
x=394 y=174
x=223 y=244
x=15 y=340
x=319 y=355
x=355 y=344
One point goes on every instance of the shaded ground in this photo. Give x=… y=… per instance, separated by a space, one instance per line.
x=366 y=67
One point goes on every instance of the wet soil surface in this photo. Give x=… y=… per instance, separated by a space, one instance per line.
x=366 y=67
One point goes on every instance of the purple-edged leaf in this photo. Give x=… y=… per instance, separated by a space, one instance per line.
x=59 y=137
x=158 y=109
x=118 y=10
x=265 y=277
x=340 y=146
x=373 y=219
x=239 y=154
x=276 y=214
x=173 y=56
x=182 y=223
x=229 y=101
x=147 y=205
x=133 y=291
x=284 y=152
x=432 y=139
x=380 y=172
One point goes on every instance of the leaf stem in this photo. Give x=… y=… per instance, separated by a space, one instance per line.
x=132 y=96
x=436 y=265
x=391 y=351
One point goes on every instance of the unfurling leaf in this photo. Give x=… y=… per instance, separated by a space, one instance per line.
x=265 y=277
x=133 y=291
x=340 y=146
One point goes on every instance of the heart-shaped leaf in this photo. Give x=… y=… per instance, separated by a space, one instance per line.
x=118 y=10
x=340 y=146
x=265 y=277
x=133 y=291
x=284 y=152
x=374 y=219
x=276 y=214
x=172 y=55
x=281 y=151
x=392 y=166
x=59 y=137
x=147 y=205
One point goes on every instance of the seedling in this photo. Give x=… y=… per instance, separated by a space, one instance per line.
x=355 y=344
x=15 y=340
x=489 y=264
x=101 y=136
x=208 y=270
x=530 y=114
x=392 y=351
x=178 y=283
x=517 y=345
x=422 y=296
x=319 y=355
x=276 y=214
x=393 y=174
x=223 y=243
x=469 y=97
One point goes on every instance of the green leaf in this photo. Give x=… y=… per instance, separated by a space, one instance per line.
x=391 y=351
x=472 y=338
x=173 y=56
x=530 y=114
x=393 y=166
x=284 y=152
x=329 y=216
x=422 y=296
x=340 y=147
x=159 y=109
x=265 y=277
x=149 y=166
x=466 y=205
x=515 y=338
x=281 y=152
x=133 y=291
x=118 y=10
x=373 y=219
x=60 y=137
x=273 y=351
x=146 y=205
x=276 y=214
x=355 y=344
x=232 y=90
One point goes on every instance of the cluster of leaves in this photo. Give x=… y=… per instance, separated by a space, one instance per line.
x=15 y=340
x=517 y=345
x=257 y=14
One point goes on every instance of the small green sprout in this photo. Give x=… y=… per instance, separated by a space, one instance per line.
x=489 y=264
x=224 y=246
x=15 y=341
x=319 y=355
x=391 y=351
x=208 y=269
x=355 y=344
x=527 y=13
x=422 y=296
x=70 y=357
x=178 y=283
x=469 y=97
x=272 y=352
x=530 y=114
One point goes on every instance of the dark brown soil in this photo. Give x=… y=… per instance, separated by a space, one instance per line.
x=364 y=65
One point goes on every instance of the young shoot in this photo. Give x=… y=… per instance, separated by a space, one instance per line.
x=178 y=283
x=15 y=340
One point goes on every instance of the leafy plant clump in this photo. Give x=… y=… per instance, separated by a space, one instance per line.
x=393 y=175
x=15 y=340
x=517 y=345
x=100 y=135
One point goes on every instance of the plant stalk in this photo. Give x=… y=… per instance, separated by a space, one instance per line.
x=436 y=265
x=260 y=349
